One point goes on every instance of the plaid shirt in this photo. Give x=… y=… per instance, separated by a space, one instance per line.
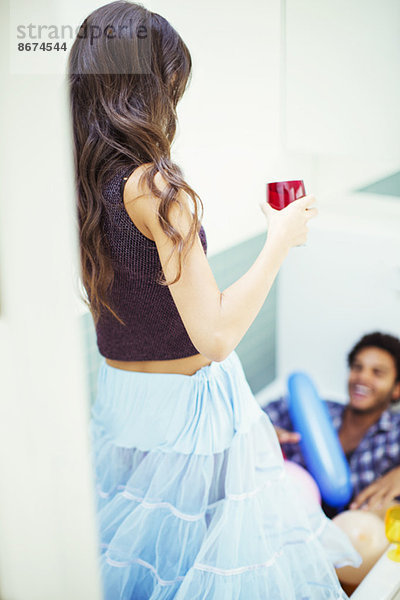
x=377 y=453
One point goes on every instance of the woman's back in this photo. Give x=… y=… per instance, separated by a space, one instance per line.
x=153 y=329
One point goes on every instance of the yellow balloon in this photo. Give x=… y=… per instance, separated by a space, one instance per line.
x=367 y=534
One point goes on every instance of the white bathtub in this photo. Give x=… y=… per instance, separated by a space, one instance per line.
x=382 y=582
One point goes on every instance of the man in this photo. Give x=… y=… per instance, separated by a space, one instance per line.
x=368 y=430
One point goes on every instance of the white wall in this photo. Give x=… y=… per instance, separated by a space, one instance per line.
x=344 y=283
x=342 y=96
x=341 y=93
x=48 y=546
x=343 y=89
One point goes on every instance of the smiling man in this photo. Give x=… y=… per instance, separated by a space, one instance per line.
x=368 y=430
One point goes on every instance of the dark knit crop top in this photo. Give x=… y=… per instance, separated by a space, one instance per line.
x=153 y=328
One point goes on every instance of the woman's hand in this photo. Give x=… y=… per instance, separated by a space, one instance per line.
x=291 y=223
x=287 y=437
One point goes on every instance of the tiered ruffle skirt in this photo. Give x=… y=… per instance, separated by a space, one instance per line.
x=193 y=502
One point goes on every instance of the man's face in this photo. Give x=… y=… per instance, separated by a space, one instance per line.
x=371 y=381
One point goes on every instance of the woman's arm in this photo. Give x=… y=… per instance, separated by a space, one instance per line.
x=242 y=301
x=216 y=321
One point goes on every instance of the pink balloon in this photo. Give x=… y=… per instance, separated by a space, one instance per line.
x=303 y=481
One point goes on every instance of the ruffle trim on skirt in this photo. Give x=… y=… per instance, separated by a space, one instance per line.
x=229 y=525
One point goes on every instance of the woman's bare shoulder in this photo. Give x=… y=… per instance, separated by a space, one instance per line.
x=135 y=199
x=133 y=188
x=141 y=204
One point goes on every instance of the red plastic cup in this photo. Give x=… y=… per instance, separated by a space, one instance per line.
x=282 y=193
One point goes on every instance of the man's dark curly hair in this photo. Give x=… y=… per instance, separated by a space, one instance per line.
x=384 y=341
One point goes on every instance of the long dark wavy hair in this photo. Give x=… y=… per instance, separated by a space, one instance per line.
x=127 y=70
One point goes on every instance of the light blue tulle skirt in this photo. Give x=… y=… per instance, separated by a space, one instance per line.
x=193 y=502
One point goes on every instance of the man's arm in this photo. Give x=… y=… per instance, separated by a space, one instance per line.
x=380 y=493
x=279 y=416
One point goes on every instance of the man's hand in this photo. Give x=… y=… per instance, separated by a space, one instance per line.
x=287 y=437
x=380 y=494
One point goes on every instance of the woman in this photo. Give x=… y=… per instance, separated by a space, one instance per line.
x=192 y=498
